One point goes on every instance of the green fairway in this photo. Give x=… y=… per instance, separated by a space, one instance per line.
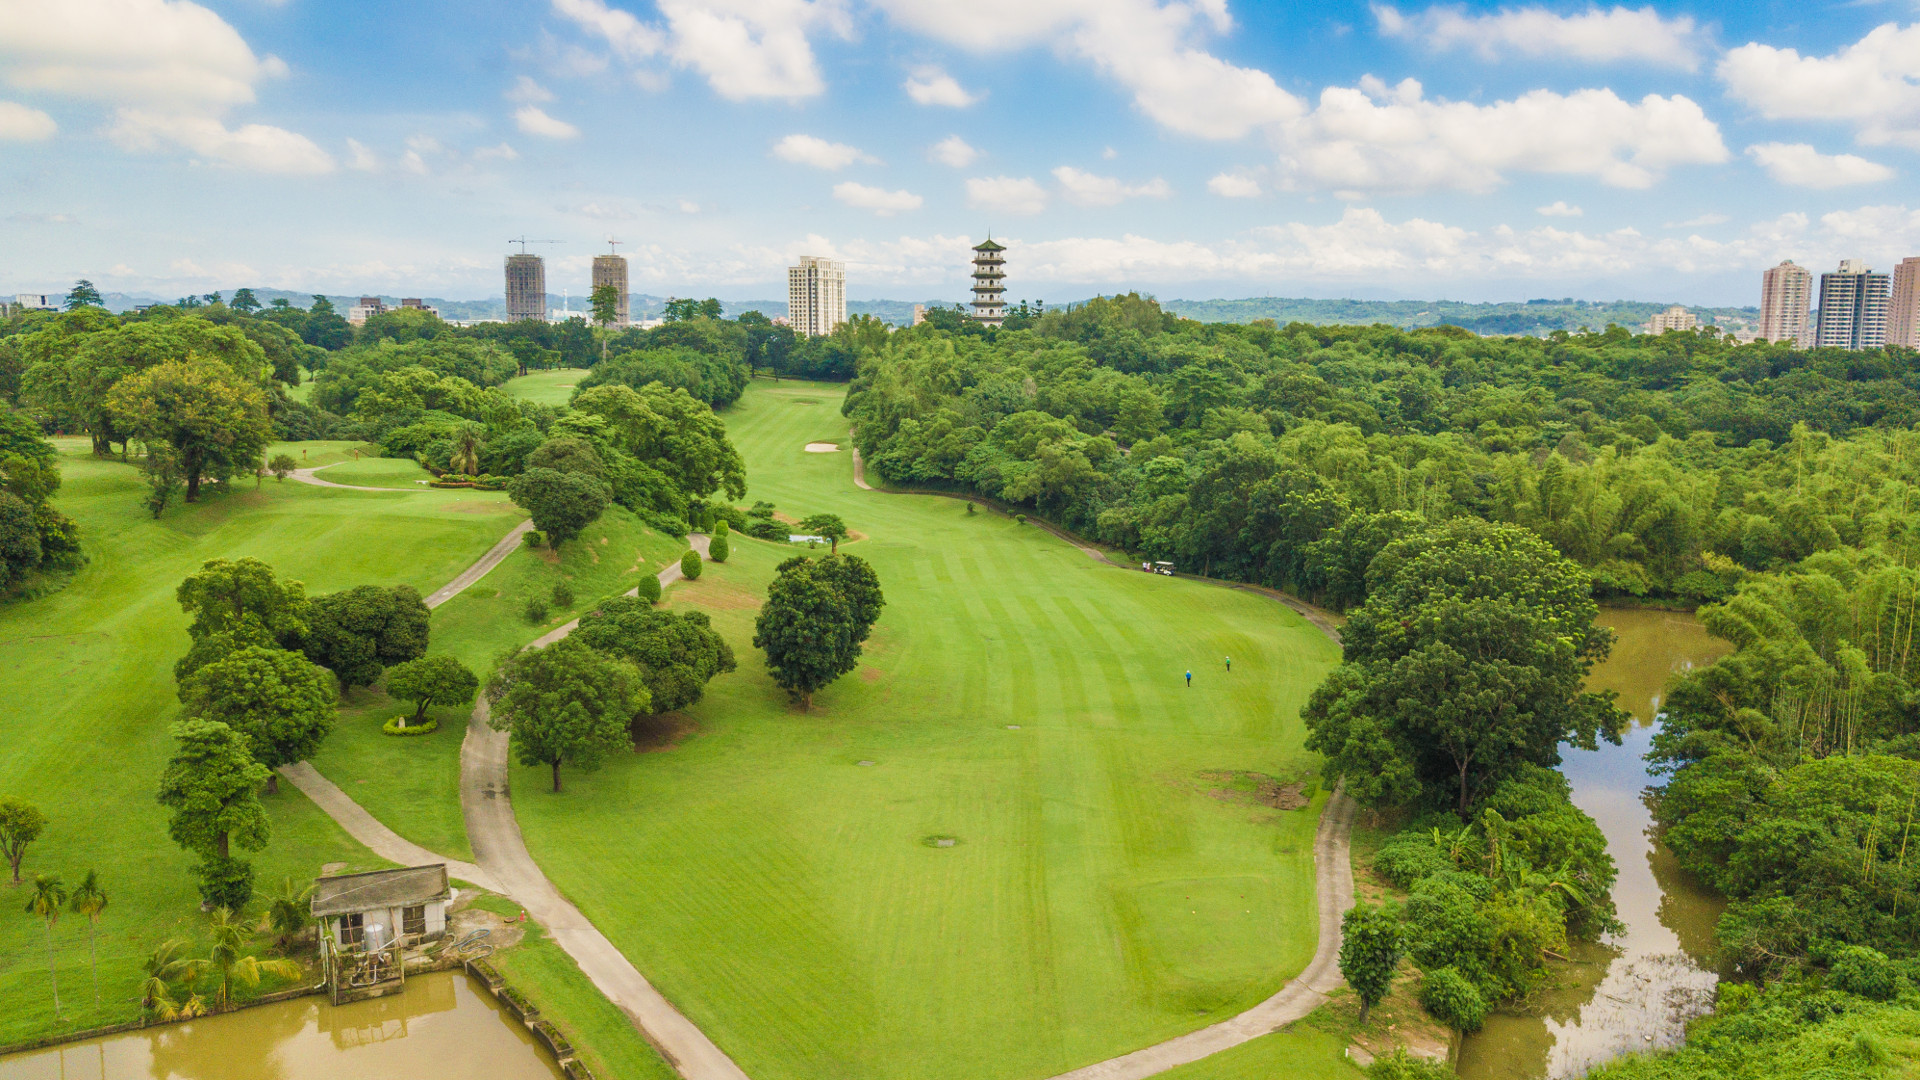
x=773 y=873
x=546 y=387
x=90 y=695
x=402 y=473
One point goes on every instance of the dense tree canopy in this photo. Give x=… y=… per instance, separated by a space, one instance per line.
x=236 y=603
x=362 y=631
x=210 y=786
x=566 y=704
x=561 y=504
x=279 y=702
x=432 y=680
x=817 y=614
x=213 y=421
x=677 y=654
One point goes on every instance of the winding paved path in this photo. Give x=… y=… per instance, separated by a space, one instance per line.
x=506 y=866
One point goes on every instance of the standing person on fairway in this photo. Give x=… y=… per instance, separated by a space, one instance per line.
x=1229 y=663
x=1189 y=680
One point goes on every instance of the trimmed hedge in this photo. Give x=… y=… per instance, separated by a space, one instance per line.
x=392 y=727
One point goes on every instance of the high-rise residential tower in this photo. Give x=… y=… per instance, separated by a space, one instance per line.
x=989 y=283
x=1903 y=315
x=1853 y=308
x=1786 y=295
x=1674 y=318
x=611 y=269
x=526 y=287
x=816 y=295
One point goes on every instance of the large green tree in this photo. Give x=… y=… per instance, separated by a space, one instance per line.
x=21 y=823
x=214 y=421
x=677 y=653
x=360 y=632
x=566 y=704
x=1371 y=945
x=816 y=615
x=432 y=680
x=561 y=504
x=282 y=704
x=210 y=784
x=1465 y=665
x=236 y=603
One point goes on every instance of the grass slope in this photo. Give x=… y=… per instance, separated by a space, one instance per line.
x=1102 y=895
x=90 y=695
x=546 y=387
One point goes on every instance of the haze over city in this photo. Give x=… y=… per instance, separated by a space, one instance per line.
x=1188 y=149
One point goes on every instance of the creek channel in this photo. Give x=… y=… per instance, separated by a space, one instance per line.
x=443 y=1025
x=1636 y=990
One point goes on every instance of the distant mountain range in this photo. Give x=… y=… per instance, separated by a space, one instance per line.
x=1531 y=317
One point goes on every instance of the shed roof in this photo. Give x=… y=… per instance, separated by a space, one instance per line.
x=348 y=893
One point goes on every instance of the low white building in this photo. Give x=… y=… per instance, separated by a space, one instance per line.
x=377 y=909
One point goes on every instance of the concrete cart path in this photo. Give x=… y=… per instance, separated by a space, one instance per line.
x=486 y=799
x=306 y=476
x=367 y=829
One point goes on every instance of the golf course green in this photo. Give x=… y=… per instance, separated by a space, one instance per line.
x=1114 y=877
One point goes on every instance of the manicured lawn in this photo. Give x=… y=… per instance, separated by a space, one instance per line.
x=546 y=387
x=1295 y=1053
x=413 y=784
x=90 y=695
x=769 y=870
x=403 y=473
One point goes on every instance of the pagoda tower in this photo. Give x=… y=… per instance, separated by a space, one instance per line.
x=989 y=283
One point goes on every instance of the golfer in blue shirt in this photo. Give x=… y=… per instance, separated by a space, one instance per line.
x=1189 y=678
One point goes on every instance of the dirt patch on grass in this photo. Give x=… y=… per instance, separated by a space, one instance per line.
x=716 y=596
x=468 y=506
x=1254 y=787
x=662 y=732
x=501 y=934
x=869 y=674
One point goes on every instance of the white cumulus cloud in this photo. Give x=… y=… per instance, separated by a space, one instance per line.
x=1007 y=194
x=526 y=90
x=361 y=158
x=1234 y=186
x=1596 y=35
x=533 y=120
x=20 y=123
x=1873 y=84
x=879 y=200
x=1086 y=189
x=172 y=69
x=1559 y=208
x=743 y=48
x=256 y=147
x=953 y=151
x=819 y=153
x=1800 y=165
x=1379 y=138
x=933 y=86
x=1150 y=47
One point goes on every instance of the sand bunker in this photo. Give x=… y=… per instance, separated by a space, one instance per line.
x=823 y=448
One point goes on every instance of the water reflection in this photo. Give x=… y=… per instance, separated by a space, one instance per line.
x=1637 y=990
x=442 y=1027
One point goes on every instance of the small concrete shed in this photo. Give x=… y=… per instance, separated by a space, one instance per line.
x=409 y=906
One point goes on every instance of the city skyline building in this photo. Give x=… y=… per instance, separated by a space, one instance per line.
x=1853 y=308
x=989 y=283
x=611 y=269
x=1674 y=318
x=1903 y=313
x=367 y=308
x=526 y=287
x=1786 y=303
x=816 y=295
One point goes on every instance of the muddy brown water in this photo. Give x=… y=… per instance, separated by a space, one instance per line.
x=1636 y=990
x=443 y=1026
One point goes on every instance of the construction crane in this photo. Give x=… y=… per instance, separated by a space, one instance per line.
x=523 y=242
x=613 y=246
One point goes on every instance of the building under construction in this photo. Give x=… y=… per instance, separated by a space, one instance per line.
x=611 y=269
x=527 y=287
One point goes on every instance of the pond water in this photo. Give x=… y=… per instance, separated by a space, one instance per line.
x=443 y=1026
x=1636 y=990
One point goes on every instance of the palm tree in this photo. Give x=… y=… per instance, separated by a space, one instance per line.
x=229 y=961
x=165 y=967
x=466 y=449
x=90 y=899
x=287 y=913
x=48 y=895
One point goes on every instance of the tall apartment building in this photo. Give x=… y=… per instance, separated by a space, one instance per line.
x=526 y=287
x=1786 y=297
x=1903 y=315
x=989 y=283
x=367 y=308
x=816 y=295
x=1853 y=308
x=612 y=270
x=1674 y=318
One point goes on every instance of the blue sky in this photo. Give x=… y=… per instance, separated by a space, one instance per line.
x=1192 y=148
